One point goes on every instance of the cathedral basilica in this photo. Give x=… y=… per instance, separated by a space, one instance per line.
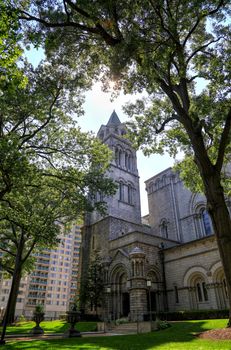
x=165 y=261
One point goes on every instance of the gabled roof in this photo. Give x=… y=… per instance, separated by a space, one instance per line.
x=114 y=119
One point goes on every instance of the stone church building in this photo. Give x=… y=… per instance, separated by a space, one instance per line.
x=167 y=260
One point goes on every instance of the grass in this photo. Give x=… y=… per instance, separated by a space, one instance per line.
x=181 y=336
x=57 y=326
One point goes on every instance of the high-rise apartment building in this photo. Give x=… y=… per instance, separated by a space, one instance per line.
x=53 y=282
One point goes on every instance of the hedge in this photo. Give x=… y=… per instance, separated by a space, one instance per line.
x=192 y=315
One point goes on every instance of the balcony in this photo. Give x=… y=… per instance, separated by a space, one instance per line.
x=37 y=296
x=38 y=267
x=38 y=282
x=37 y=288
x=43 y=261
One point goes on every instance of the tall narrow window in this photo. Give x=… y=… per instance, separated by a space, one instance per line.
x=206 y=222
x=205 y=293
x=201 y=289
x=129 y=194
x=164 y=229
x=176 y=294
x=126 y=160
x=120 y=157
x=129 y=162
x=199 y=293
x=121 y=191
x=117 y=156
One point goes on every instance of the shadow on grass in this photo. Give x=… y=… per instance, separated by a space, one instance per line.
x=180 y=336
x=50 y=327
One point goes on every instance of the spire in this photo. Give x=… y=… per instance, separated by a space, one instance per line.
x=114 y=119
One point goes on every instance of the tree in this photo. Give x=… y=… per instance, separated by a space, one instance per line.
x=162 y=48
x=91 y=292
x=48 y=167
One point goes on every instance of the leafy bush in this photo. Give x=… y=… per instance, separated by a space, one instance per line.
x=39 y=309
x=163 y=324
x=121 y=320
x=22 y=318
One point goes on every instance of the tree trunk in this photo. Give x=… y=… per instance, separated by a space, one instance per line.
x=13 y=295
x=12 y=300
x=219 y=213
x=214 y=192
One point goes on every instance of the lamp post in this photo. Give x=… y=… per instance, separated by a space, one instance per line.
x=149 y=284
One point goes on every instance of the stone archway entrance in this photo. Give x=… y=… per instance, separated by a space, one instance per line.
x=120 y=298
x=154 y=301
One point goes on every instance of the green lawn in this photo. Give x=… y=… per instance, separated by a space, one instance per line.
x=181 y=336
x=57 y=326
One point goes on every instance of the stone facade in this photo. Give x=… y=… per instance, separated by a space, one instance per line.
x=166 y=261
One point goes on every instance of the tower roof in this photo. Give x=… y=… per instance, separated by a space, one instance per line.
x=114 y=119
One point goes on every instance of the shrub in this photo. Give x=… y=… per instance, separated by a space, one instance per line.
x=39 y=309
x=163 y=325
x=121 y=320
x=22 y=318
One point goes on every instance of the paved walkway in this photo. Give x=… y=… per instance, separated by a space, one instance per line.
x=29 y=337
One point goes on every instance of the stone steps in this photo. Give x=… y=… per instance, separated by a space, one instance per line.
x=125 y=328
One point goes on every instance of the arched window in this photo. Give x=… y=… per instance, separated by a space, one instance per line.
x=121 y=191
x=206 y=221
x=118 y=156
x=176 y=294
x=128 y=160
x=201 y=290
x=130 y=194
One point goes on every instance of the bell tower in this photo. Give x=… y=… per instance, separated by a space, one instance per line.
x=125 y=204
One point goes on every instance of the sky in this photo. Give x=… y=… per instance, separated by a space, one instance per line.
x=98 y=107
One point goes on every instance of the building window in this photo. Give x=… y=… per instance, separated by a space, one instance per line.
x=164 y=228
x=202 y=294
x=121 y=190
x=207 y=225
x=118 y=156
x=176 y=294
x=128 y=161
x=129 y=194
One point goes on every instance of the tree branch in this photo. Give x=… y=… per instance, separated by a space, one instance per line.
x=7 y=268
x=165 y=123
x=223 y=142
x=28 y=137
x=200 y=49
x=98 y=29
x=191 y=31
x=29 y=252
x=7 y=251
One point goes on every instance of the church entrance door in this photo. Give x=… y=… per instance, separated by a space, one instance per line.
x=125 y=304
